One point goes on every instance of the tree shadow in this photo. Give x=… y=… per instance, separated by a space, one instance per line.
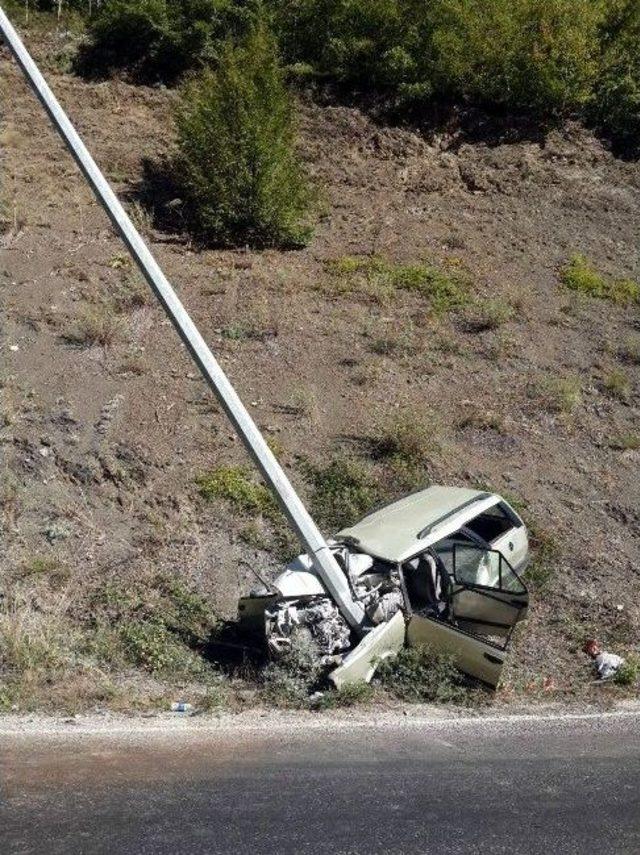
x=159 y=194
x=454 y=123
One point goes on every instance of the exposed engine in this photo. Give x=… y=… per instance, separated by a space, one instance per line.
x=319 y=615
x=305 y=604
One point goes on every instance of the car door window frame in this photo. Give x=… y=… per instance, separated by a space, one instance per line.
x=488 y=588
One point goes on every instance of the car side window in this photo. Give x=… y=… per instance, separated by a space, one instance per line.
x=491 y=524
x=443 y=549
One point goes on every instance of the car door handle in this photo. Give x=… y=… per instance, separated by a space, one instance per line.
x=495 y=659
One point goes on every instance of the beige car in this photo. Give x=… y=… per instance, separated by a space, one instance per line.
x=441 y=567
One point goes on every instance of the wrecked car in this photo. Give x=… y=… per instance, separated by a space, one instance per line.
x=441 y=567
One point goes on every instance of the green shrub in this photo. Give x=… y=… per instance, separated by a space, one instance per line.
x=290 y=679
x=532 y=55
x=237 y=164
x=161 y=39
x=235 y=484
x=354 y=41
x=580 y=275
x=154 y=621
x=616 y=104
x=419 y=674
x=627 y=673
x=342 y=492
x=150 y=645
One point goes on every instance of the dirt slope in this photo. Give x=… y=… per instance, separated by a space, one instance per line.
x=101 y=444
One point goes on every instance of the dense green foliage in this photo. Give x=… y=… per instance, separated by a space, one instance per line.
x=617 y=92
x=237 y=164
x=161 y=39
x=524 y=54
x=541 y=57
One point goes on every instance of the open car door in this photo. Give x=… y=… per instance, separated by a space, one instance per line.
x=486 y=601
x=488 y=598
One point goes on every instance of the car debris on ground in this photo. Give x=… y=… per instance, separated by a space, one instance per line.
x=606 y=664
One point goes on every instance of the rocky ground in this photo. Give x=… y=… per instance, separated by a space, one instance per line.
x=106 y=424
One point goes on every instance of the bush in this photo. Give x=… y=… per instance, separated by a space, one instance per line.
x=580 y=275
x=627 y=673
x=290 y=679
x=419 y=674
x=342 y=492
x=237 y=164
x=354 y=41
x=532 y=55
x=234 y=483
x=161 y=39
x=616 y=105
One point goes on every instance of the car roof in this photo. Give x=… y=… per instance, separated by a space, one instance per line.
x=404 y=528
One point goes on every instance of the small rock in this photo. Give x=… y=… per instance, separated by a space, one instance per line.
x=14 y=348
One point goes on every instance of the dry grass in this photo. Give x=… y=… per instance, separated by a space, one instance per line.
x=629 y=350
x=132 y=292
x=485 y=315
x=95 y=325
x=617 y=384
x=559 y=394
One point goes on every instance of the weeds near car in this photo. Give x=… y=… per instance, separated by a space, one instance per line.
x=347 y=696
x=290 y=679
x=627 y=673
x=235 y=485
x=341 y=491
x=422 y=675
x=407 y=446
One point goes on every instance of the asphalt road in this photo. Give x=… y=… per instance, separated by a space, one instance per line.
x=527 y=786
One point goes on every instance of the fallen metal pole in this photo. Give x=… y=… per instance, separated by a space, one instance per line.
x=310 y=536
